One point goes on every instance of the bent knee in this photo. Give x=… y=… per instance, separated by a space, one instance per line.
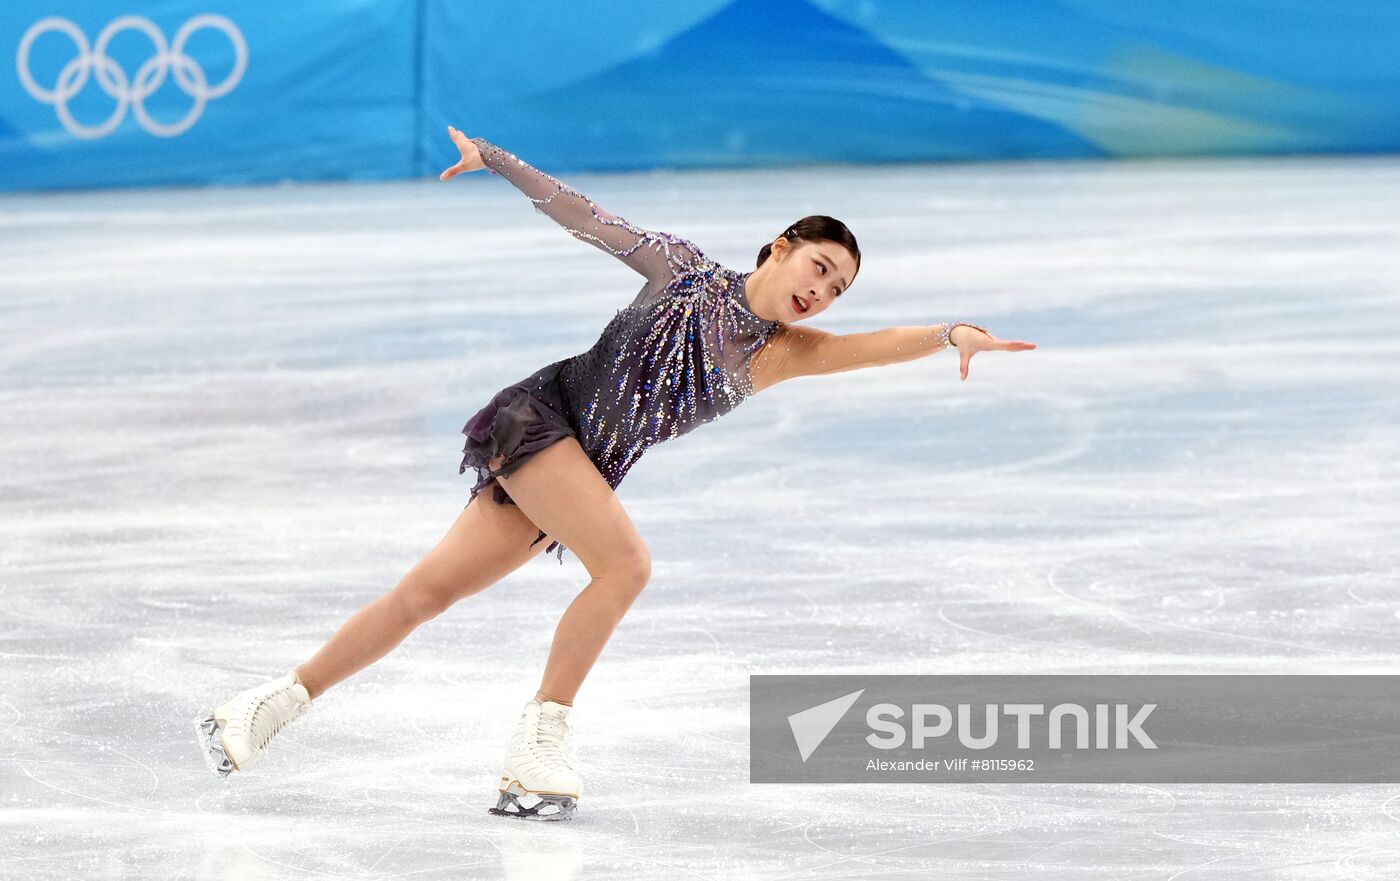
x=628 y=570
x=635 y=565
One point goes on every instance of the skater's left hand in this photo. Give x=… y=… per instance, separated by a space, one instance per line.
x=970 y=341
x=471 y=155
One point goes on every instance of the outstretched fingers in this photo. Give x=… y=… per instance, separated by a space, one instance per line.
x=994 y=344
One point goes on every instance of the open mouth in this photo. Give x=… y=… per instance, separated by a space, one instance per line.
x=799 y=305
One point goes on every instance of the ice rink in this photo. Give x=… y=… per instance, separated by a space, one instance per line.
x=231 y=418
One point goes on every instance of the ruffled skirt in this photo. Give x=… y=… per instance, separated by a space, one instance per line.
x=522 y=419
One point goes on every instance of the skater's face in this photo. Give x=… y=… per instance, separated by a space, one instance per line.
x=808 y=276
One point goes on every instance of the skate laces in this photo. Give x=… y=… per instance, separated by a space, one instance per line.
x=553 y=737
x=262 y=726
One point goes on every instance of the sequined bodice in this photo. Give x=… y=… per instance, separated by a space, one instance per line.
x=674 y=358
x=665 y=365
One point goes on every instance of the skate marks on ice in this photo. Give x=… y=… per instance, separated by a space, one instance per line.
x=518 y=853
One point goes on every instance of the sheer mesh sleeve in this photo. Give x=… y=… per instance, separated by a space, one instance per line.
x=658 y=256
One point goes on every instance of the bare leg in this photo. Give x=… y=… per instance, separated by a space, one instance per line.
x=586 y=626
x=487 y=542
x=560 y=489
x=369 y=635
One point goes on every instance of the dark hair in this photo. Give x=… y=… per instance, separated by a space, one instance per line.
x=818 y=227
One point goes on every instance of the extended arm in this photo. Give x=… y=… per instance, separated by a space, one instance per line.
x=807 y=351
x=803 y=351
x=656 y=255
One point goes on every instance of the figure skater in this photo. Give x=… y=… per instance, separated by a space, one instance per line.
x=696 y=340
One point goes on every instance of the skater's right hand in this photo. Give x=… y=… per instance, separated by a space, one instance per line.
x=471 y=156
x=971 y=339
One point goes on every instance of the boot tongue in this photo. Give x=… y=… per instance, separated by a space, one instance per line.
x=555 y=709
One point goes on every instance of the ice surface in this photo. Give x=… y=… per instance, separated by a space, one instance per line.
x=230 y=419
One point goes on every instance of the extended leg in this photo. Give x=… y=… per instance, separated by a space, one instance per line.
x=487 y=542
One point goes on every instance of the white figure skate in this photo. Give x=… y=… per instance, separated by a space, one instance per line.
x=236 y=735
x=539 y=763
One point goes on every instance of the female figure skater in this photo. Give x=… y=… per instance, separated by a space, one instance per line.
x=697 y=340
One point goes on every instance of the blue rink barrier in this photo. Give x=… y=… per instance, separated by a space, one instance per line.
x=104 y=93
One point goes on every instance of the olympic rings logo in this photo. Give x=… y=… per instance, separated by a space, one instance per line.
x=189 y=76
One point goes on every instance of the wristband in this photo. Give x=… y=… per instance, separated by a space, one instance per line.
x=948 y=331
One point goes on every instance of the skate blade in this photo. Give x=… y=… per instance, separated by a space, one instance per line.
x=207 y=732
x=509 y=805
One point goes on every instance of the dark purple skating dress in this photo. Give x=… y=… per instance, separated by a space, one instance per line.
x=674 y=358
